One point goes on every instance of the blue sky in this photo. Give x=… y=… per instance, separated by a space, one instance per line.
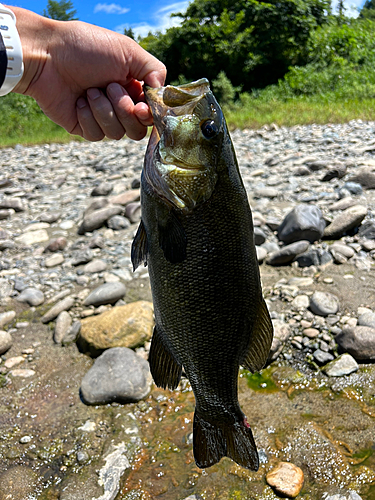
x=141 y=15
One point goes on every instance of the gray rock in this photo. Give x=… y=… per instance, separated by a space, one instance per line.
x=345 y=250
x=367 y=230
x=5 y=341
x=102 y=189
x=314 y=257
x=56 y=244
x=365 y=178
x=350 y=495
x=304 y=222
x=97 y=219
x=71 y=334
x=95 y=266
x=49 y=217
x=32 y=237
x=266 y=192
x=4 y=244
x=5 y=214
x=367 y=319
x=109 y=293
x=6 y=317
x=117 y=375
x=343 y=365
x=82 y=257
x=62 y=326
x=261 y=253
x=324 y=303
x=63 y=305
x=337 y=171
x=281 y=333
x=31 y=296
x=133 y=212
x=322 y=357
x=353 y=188
x=15 y=203
x=345 y=222
x=118 y=222
x=359 y=341
x=287 y=254
x=259 y=236
x=54 y=260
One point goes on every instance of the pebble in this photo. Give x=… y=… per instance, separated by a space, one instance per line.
x=350 y=495
x=300 y=302
x=312 y=333
x=22 y=373
x=62 y=326
x=343 y=365
x=322 y=357
x=95 y=266
x=32 y=237
x=288 y=253
x=116 y=375
x=345 y=222
x=304 y=222
x=14 y=361
x=6 y=318
x=54 y=260
x=32 y=296
x=108 y=293
x=286 y=478
x=281 y=333
x=367 y=319
x=5 y=341
x=324 y=303
x=359 y=341
x=72 y=333
x=97 y=218
x=63 y=305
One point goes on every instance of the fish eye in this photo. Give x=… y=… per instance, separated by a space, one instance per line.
x=209 y=129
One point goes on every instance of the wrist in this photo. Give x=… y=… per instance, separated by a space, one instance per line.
x=10 y=51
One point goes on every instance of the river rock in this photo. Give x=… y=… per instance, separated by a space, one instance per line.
x=343 y=365
x=350 y=495
x=281 y=333
x=62 y=326
x=359 y=341
x=365 y=178
x=5 y=341
x=300 y=302
x=304 y=222
x=15 y=203
x=97 y=218
x=345 y=222
x=133 y=212
x=63 y=305
x=56 y=244
x=95 y=266
x=130 y=326
x=314 y=257
x=82 y=257
x=287 y=254
x=286 y=478
x=367 y=319
x=54 y=260
x=6 y=317
x=367 y=230
x=31 y=296
x=109 y=293
x=324 y=303
x=259 y=236
x=322 y=357
x=71 y=334
x=125 y=198
x=118 y=222
x=49 y=217
x=261 y=253
x=32 y=237
x=344 y=250
x=102 y=189
x=117 y=375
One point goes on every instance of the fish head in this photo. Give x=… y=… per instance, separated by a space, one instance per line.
x=185 y=144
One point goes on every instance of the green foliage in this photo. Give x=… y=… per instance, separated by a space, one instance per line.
x=61 y=11
x=129 y=32
x=368 y=10
x=253 y=41
x=223 y=89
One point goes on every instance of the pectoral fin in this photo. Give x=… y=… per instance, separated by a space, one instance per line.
x=139 y=247
x=172 y=239
x=165 y=370
x=261 y=340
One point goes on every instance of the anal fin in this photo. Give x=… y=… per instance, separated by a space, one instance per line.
x=165 y=370
x=139 y=247
x=260 y=341
x=234 y=440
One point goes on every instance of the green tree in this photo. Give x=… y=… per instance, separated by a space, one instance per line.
x=253 y=41
x=129 y=32
x=368 y=10
x=61 y=11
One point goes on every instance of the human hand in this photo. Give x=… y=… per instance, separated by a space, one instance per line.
x=85 y=78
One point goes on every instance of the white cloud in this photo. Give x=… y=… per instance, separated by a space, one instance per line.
x=161 y=20
x=110 y=8
x=352 y=7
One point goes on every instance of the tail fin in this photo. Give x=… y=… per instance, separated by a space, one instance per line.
x=212 y=442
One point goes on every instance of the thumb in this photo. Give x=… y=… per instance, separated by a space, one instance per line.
x=147 y=68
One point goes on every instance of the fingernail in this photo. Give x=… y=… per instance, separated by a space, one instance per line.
x=93 y=93
x=81 y=103
x=115 y=90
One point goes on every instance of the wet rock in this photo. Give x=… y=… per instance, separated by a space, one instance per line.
x=95 y=266
x=54 y=260
x=286 y=478
x=117 y=375
x=32 y=237
x=304 y=222
x=133 y=212
x=324 y=303
x=97 y=219
x=109 y=293
x=49 y=217
x=345 y=222
x=18 y=483
x=63 y=305
x=102 y=189
x=6 y=317
x=287 y=254
x=5 y=341
x=359 y=341
x=343 y=365
x=118 y=222
x=71 y=334
x=322 y=357
x=126 y=197
x=281 y=333
x=15 y=203
x=31 y=296
x=367 y=319
x=73 y=488
x=56 y=244
x=130 y=325
x=62 y=326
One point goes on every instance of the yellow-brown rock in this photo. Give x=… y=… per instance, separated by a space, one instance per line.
x=286 y=478
x=130 y=326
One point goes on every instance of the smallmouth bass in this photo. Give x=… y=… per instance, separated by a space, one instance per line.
x=196 y=236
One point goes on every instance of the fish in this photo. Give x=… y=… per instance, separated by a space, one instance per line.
x=196 y=237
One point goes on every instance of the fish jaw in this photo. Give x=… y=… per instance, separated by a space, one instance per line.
x=182 y=155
